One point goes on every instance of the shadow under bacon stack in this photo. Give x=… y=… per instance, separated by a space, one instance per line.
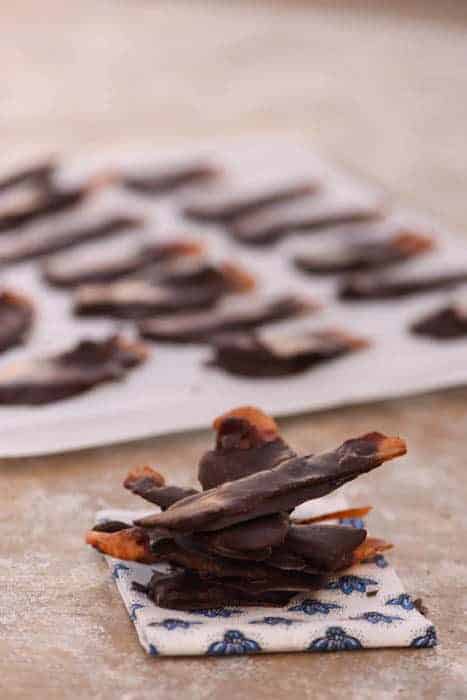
x=236 y=541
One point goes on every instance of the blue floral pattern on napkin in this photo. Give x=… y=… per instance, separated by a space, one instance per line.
x=233 y=642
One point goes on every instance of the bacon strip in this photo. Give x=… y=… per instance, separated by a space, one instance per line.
x=166 y=179
x=38 y=174
x=446 y=323
x=335 y=515
x=279 y=489
x=50 y=201
x=200 y=327
x=150 y=485
x=254 y=355
x=131 y=544
x=370 y=287
x=226 y=205
x=271 y=224
x=366 y=255
x=69 y=271
x=89 y=363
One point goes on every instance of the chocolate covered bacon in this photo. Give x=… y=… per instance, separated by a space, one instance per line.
x=16 y=319
x=165 y=179
x=226 y=205
x=88 y=364
x=225 y=277
x=446 y=323
x=49 y=201
x=165 y=289
x=37 y=174
x=366 y=255
x=247 y=441
x=200 y=327
x=150 y=485
x=71 y=271
x=186 y=590
x=236 y=541
x=281 y=354
x=30 y=246
x=137 y=299
x=371 y=287
x=306 y=215
x=279 y=489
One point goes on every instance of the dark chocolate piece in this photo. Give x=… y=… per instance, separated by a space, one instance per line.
x=368 y=287
x=248 y=441
x=296 y=552
x=283 y=558
x=225 y=205
x=447 y=323
x=366 y=255
x=250 y=537
x=308 y=215
x=38 y=174
x=250 y=355
x=170 y=178
x=163 y=496
x=324 y=547
x=150 y=485
x=51 y=201
x=200 y=327
x=111 y=526
x=49 y=379
x=67 y=271
x=16 y=319
x=225 y=278
x=183 y=551
x=31 y=246
x=184 y=590
x=137 y=299
x=279 y=489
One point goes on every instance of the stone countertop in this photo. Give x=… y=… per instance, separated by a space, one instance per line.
x=382 y=92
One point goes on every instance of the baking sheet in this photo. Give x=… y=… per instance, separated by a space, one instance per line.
x=175 y=390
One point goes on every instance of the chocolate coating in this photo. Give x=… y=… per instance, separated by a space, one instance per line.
x=46 y=203
x=163 y=180
x=225 y=205
x=366 y=255
x=279 y=489
x=67 y=374
x=307 y=215
x=200 y=327
x=16 y=319
x=67 y=271
x=138 y=299
x=184 y=590
x=252 y=355
x=447 y=323
x=38 y=174
x=32 y=247
x=369 y=287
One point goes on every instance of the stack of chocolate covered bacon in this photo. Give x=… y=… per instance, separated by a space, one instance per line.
x=237 y=541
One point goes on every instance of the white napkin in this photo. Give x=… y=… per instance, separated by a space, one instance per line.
x=365 y=607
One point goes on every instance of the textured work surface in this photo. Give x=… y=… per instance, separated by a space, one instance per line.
x=382 y=93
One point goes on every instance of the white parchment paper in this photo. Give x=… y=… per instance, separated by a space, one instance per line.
x=174 y=390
